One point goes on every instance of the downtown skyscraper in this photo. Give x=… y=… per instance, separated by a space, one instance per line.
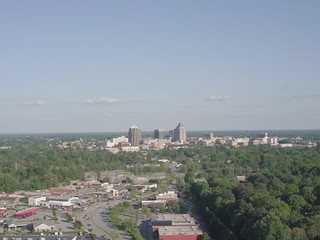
x=134 y=136
x=179 y=133
x=159 y=133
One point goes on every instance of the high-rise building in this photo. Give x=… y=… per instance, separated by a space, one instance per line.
x=179 y=133
x=159 y=134
x=134 y=136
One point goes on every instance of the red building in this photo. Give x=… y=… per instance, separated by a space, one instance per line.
x=3 y=211
x=26 y=213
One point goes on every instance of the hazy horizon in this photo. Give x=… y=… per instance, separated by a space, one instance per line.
x=151 y=132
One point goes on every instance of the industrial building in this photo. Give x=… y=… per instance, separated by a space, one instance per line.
x=175 y=227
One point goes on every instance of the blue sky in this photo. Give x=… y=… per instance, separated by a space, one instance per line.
x=99 y=66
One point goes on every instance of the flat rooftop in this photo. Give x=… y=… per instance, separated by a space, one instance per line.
x=176 y=219
x=179 y=230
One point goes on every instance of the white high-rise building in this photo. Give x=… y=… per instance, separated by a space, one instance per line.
x=134 y=136
x=179 y=133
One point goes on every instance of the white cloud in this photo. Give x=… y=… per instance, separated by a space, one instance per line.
x=36 y=103
x=218 y=98
x=104 y=100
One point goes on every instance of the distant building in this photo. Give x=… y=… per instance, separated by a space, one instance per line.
x=159 y=133
x=179 y=133
x=118 y=140
x=134 y=136
x=241 y=178
x=130 y=149
x=273 y=141
x=209 y=136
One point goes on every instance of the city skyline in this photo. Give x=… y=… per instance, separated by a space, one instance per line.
x=82 y=66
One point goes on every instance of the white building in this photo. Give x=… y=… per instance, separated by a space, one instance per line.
x=273 y=141
x=35 y=201
x=56 y=204
x=130 y=149
x=118 y=140
x=44 y=228
x=59 y=202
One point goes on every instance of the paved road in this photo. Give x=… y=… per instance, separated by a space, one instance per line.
x=95 y=218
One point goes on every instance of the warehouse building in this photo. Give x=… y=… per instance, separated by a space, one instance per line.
x=176 y=227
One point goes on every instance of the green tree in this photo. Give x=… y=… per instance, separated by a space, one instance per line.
x=205 y=236
x=8 y=183
x=114 y=234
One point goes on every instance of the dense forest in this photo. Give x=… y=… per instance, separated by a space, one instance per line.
x=41 y=167
x=279 y=200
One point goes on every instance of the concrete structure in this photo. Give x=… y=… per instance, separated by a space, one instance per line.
x=164 y=160
x=241 y=178
x=286 y=145
x=8 y=200
x=118 y=190
x=60 y=191
x=209 y=136
x=134 y=136
x=118 y=140
x=130 y=149
x=159 y=133
x=35 y=201
x=56 y=204
x=176 y=227
x=273 y=141
x=154 y=203
x=169 y=196
x=179 y=134
x=59 y=202
x=44 y=228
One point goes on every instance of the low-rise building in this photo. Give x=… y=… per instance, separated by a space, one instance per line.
x=169 y=196
x=154 y=203
x=176 y=227
x=60 y=191
x=35 y=201
x=44 y=228
x=59 y=202
x=130 y=149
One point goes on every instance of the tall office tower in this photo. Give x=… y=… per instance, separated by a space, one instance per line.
x=134 y=136
x=159 y=134
x=179 y=133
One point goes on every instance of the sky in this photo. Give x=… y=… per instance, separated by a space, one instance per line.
x=103 y=66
